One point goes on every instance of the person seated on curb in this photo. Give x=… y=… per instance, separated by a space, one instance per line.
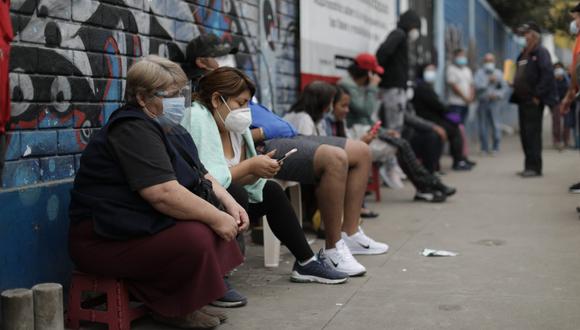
x=362 y=83
x=318 y=95
x=357 y=93
x=143 y=207
x=430 y=107
x=429 y=187
x=340 y=174
x=219 y=122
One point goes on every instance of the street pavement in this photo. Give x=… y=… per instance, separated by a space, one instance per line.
x=518 y=265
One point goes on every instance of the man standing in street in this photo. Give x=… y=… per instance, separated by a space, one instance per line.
x=534 y=88
x=460 y=81
x=570 y=98
x=491 y=90
x=395 y=113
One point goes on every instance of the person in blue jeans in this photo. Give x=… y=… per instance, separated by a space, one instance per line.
x=491 y=91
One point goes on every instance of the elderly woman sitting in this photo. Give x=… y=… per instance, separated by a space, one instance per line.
x=143 y=207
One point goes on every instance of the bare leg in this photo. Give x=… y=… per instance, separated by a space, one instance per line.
x=331 y=166
x=359 y=161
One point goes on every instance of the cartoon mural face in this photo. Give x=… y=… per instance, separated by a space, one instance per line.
x=69 y=59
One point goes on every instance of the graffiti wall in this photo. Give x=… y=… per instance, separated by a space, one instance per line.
x=70 y=59
x=68 y=67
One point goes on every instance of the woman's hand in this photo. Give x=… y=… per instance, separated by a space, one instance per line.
x=239 y=214
x=264 y=166
x=368 y=137
x=225 y=226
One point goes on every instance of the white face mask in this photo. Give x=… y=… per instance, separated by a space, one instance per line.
x=414 y=34
x=429 y=76
x=238 y=120
x=521 y=41
x=226 y=60
x=560 y=72
x=573 y=28
x=489 y=66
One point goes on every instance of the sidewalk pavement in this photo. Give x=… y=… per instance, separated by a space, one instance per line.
x=518 y=265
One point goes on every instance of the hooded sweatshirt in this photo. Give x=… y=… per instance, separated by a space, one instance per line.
x=393 y=54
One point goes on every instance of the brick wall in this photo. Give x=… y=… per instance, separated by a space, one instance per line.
x=70 y=58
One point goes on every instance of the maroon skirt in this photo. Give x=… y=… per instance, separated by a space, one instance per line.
x=173 y=272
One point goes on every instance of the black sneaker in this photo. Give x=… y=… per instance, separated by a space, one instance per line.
x=470 y=162
x=430 y=195
x=317 y=271
x=231 y=298
x=461 y=166
x=575 y=188
x=448 y=191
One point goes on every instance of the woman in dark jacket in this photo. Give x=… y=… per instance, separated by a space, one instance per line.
x=428 y=105
x=143 y=207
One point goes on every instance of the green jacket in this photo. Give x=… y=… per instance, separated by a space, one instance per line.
x=200 y=124
x=364 y=102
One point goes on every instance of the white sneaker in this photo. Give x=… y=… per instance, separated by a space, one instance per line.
x=400 y=172
x=391 y=178
x=342 y=260
x=360 y=243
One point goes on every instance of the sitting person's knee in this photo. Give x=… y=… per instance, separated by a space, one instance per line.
x=329 y=158
x=358 y=151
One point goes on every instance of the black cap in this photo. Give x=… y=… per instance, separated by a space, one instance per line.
x=576 y=9
x=529 y=26
x=208 y=45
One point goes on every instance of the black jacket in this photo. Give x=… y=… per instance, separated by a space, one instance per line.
x=393 y=54
x=535 y=78
x=427 y=103
x=102 y=194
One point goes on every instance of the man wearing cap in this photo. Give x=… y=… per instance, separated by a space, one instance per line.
x=534 y=88
x=206 y=53
x=362 y=86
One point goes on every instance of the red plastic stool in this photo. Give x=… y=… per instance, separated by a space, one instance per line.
x=118 y=313
x=374 y=184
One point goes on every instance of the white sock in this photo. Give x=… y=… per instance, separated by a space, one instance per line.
x=304 y=263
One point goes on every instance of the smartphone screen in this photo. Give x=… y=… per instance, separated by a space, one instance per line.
x=289 y=153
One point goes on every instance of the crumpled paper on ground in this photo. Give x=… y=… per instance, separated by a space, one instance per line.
x=438 y=253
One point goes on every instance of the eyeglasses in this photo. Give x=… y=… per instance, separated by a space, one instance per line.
x=183 y=92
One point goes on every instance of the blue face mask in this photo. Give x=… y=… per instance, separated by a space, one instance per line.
x=173 y=111
x=461 y=60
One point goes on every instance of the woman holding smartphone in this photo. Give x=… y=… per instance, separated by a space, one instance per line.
x=219 y=121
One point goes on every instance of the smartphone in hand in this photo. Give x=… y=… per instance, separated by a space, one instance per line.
x=376 y=127
x=289 y=153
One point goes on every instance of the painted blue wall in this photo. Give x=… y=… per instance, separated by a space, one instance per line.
x=33 y=235
x=68 y=65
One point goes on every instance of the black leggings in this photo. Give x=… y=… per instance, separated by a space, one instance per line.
x=281 y=218
x=417 y=174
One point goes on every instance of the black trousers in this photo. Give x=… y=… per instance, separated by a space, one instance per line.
x=280 y=215
x=417 y=174
x=530 y=120
x=455 y=140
